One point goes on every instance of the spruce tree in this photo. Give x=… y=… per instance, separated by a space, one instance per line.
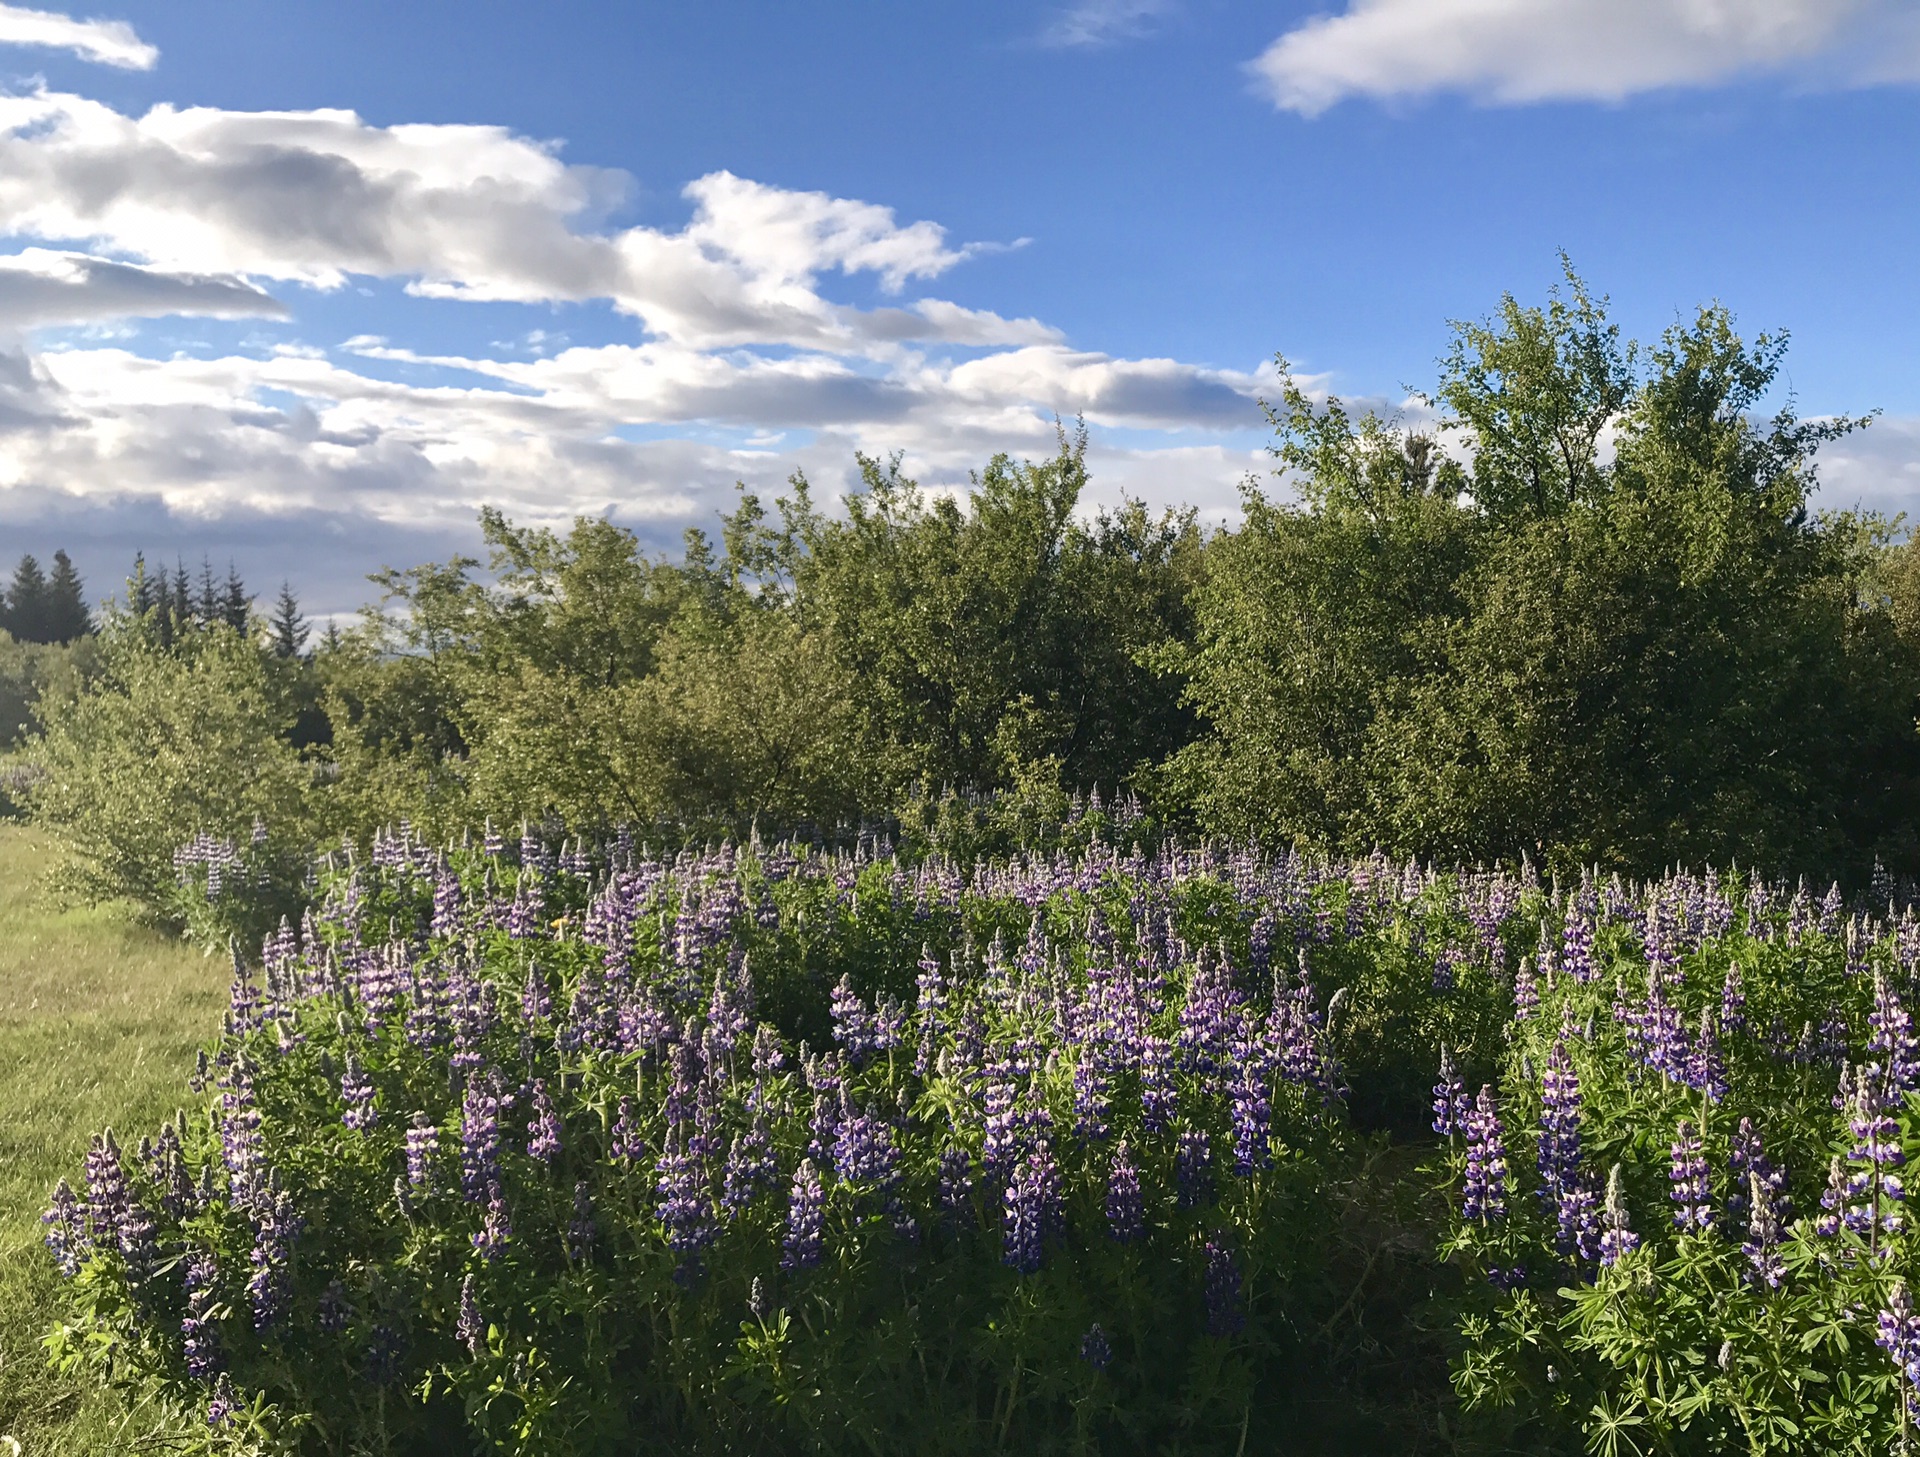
x=67 y=615
x=143 y=593
x=182 y=596
x=27 y=602
x=289 y=629
x=235 y=604
x=210 y=607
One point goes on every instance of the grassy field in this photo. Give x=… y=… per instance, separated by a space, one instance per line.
x=99 y=1019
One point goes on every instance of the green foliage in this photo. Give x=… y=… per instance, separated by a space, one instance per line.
x=161 y=744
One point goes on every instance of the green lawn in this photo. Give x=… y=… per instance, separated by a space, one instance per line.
x=99 y=1019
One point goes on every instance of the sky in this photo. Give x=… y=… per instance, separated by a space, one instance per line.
x=301 y=286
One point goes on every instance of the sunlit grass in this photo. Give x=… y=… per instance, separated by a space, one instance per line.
x=99 y=1020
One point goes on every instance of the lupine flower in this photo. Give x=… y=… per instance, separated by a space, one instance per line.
x=1893 y=1035
x=276 y=1228
x=1089 y=1098
x=1451 y=1105
x=1192 y=1169
x=1875 y=1189
x=581 y=1233
x=956 y=1178
x=1526 y=992
x=685 y=1209
x=470 y=1329
x=1617 y=1239
x=1762 y=1245
x=356 y=1091
x=332 y=1313
x=628 y=1145
x=1833 y=1201
x=543 y=1135
x=1733 y=1000
x=1157 y=1097
x=66 y=1236
x=1251 y=1109
x=750 y=1167
x=490 y=1240
x=1032 y=1209
x=1224 y=1315
x=200 y=1335
x=805 y=1219
x=535 y=1003
x=221 y=1403
x=1485 y=1194
x=1094 y=1349
x=479 y=1140
x=1747 y=1156
x=423 y=1147
x=864 y=1151
x=1899 y=1336
x=385 y=1346
x=852 y=1022
x=1126 y=1211
x=1688 y=1178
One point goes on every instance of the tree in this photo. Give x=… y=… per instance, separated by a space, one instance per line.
x=182 y=604
x=27 y=617
x=287 y=629
x=235 y=604
x=67 y=615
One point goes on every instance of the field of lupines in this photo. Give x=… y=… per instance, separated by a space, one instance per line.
x=542 y=1149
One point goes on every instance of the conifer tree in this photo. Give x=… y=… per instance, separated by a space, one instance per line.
x=210 y=606
x=288 y=628
x=182 y=596
x=67 y=615
x=143 y=591
x=235 y=604
x=27 y=602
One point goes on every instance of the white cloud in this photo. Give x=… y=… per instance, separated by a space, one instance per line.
x=109 y=42
x=1104 y=22
x=1604 y=50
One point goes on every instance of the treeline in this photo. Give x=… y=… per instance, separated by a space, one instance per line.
x=1595 y=621
x=38 y=608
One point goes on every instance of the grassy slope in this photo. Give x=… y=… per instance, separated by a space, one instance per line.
x=99 y=1019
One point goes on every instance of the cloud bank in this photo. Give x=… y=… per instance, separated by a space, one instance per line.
x=108 y=42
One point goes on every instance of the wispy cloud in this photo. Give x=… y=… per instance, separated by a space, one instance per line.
x=109 y=42
x=1105 y=22
x=1517 y=51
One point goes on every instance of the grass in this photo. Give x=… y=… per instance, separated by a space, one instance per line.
x=99 y=1020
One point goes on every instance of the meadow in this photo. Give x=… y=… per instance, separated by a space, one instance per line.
x=100 y=1018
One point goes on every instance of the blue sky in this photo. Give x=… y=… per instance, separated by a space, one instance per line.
x=304 y=285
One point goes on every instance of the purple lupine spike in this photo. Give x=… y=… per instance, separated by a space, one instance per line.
x=543 y=1134
x=1687 y=1177
x=332 y=1312
x=66 y=1236
x=1617 y=1239
x=1485 y=1190
x=1706 y=1070
x=446 y=907
x=1126 y=1209
x=496 y=1229
x=1898 y=1334
x=1158 y=1100
x=536 y=1003
x=1451 y=1105
x=1094 y=1348
x=685 y=1209
x=276 y=1226
x=356 y=1092
x=852 y=1021
x=479 y=1139
x=1526 y=991
x=581 y=1232
x=806 y=1211
x=750 y=1167
x=200 y=1333
x=864 y=1151
x=1032 y=1209
x=1874 y=1188
x=1090 y=1102
x=1833 y=1201
x=1733 y=1001
x=956 y=1179
x=1762 y=1245
x=1225 y=1316
x=1192 y=1169
x=423 y=1149
x=1893 y=1035
x=1252 y=1109
x=1748 y=1156
x=221 y=1403
x=628 y=1143
x=470 y=1328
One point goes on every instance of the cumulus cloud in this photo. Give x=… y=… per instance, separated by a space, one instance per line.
x=464 y=212
x=109 y=42
x=1515 y=51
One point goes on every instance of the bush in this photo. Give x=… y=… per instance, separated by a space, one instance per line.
x=162 y=745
